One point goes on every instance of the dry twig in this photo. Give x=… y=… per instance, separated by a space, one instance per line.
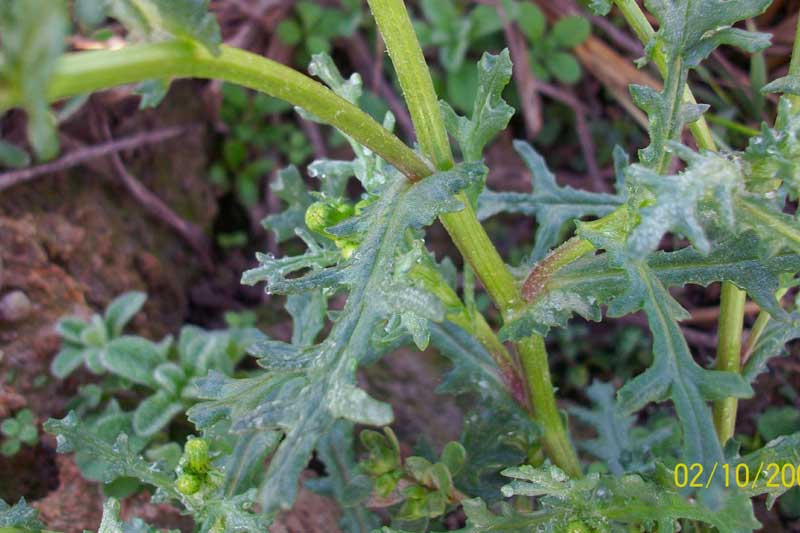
x=82 y=155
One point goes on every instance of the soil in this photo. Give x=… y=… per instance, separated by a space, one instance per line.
x=69 y=244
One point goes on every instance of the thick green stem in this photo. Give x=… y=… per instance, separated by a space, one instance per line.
x=477 y=249
x=465 y=230
x=729 y=349
x=85 y=72
x=533 y=356
x=415 y=80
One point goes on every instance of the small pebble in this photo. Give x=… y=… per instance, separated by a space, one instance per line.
x=15 y=306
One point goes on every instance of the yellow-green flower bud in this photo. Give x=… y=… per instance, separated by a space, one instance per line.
x=188 y=484
x=327 y=213
x=346 y=247
x=196 y=453
x=576 y=526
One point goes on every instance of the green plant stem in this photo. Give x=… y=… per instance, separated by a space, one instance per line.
x=533 y=356
x=464 y=228
x=86 y=72
x=415 y=80
x=477 y=249
x=570 y=251
x=758 y=76
x=794 y=66
x=732 y=125
x=729 y=349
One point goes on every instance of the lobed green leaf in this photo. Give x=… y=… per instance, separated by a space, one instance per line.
x=552 y=205
x=490 y=113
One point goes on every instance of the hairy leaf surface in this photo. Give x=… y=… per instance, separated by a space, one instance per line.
x=771 y=344
x=628 y=500
x=303 y=399
x=19 y=515
x=490 y=113
x=689 y=30
x=616 y=444
x=582 y=287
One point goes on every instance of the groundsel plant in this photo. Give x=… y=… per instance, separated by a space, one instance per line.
x=729 y=206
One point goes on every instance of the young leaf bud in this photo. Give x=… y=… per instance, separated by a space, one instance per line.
x=386 y=483
x=327 y=213
x=188 y=484
x=196 y=453
x=577 y=526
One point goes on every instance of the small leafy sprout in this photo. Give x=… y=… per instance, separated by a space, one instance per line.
x=88 y=342
x=425 y=488
x=383 y=464
x=432 y=489
x=17 y=431
x=166 y=374
x=326 y=213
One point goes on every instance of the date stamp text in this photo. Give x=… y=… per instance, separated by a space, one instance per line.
x=743 y=476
